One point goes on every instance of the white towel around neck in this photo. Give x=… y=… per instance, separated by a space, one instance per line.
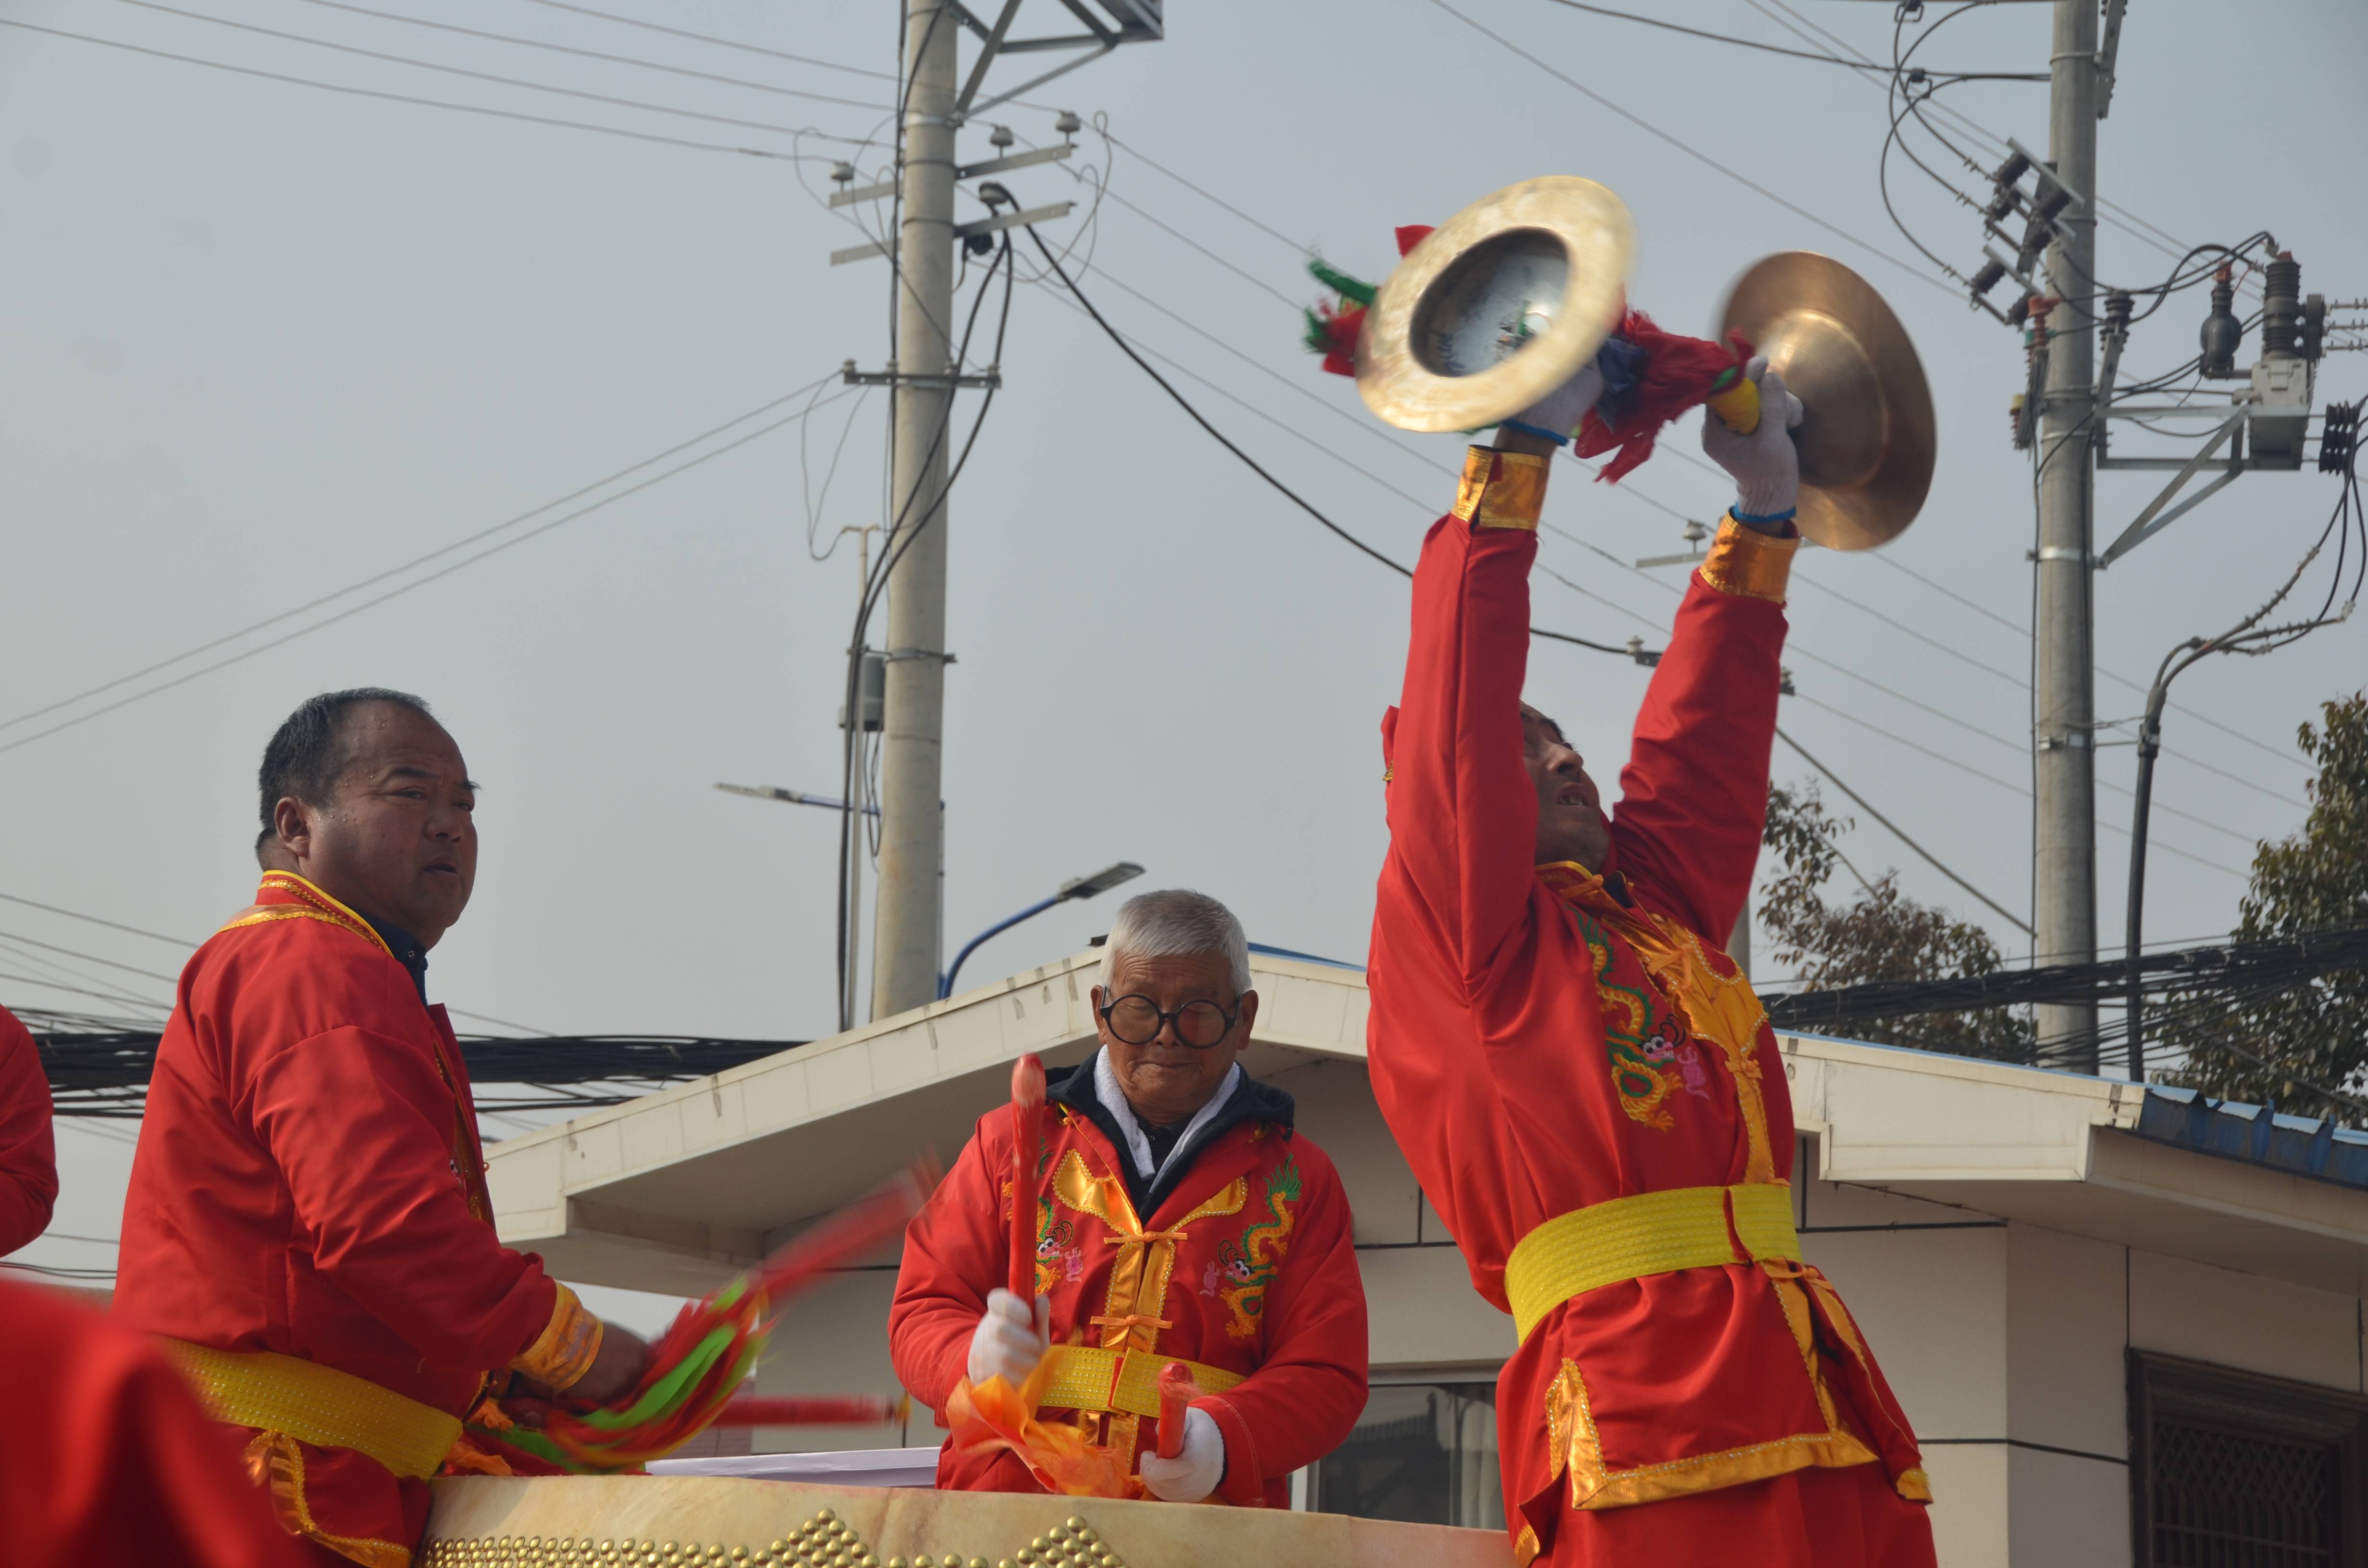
x=1138 y=1146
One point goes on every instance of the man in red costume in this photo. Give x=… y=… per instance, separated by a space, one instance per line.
x=307 y=1224
x=1181 y=1219
x=1585 y=1086
x=113 y=1461
x=29 y=1155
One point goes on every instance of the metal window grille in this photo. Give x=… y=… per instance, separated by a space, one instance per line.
x=2234 y=1471
x=2238 y=1500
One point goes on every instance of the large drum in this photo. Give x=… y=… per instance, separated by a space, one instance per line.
x=502 y=1522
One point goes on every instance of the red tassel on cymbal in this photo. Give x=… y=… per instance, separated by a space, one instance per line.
x=1677 y=373
x=1026 y=1152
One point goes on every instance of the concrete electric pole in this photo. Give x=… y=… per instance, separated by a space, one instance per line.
x=2063 y=731
x=939 y=100
x=912 y=744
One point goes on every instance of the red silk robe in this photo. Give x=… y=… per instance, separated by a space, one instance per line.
x=1538 y=1047
x=1247 y=1266
x=309 y=1181
x=29 y=1161
x=109 y=1459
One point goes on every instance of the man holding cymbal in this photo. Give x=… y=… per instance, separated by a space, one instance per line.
x=1587 y=1089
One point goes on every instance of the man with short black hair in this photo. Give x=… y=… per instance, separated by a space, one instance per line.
x=1181 y=1219
x=308 y=1225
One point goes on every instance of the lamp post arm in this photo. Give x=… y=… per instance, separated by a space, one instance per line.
x=946 y=980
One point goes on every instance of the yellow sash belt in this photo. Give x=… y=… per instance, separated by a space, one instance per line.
x=317 y=1404
x=1087 y=1377
x=1652 y=1233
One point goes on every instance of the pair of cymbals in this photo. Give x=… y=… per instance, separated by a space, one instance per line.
x=1509 y=297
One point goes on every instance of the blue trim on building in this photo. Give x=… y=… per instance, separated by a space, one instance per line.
x=2186 y=1119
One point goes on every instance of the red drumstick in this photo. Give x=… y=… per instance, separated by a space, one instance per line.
x=1027 y=1144
x=807 y=1410
x=1177 y=1392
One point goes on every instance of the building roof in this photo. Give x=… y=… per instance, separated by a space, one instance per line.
x=683 y=1187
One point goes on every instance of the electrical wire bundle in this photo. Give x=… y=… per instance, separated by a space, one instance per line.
x=2202 y=1000
x=100 y=1067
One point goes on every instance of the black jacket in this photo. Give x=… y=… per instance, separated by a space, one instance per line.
x=1250 y=1101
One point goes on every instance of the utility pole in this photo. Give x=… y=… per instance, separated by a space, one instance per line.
x=912 y=741
x=2064 y=735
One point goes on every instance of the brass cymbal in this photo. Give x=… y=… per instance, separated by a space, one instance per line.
x=1867 y=436
x=1497 y=306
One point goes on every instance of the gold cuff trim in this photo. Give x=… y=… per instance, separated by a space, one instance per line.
x=1914 y=1485
x=1501 y=490
x=1093 y=1377
x=317 y=1404
x=1748 y=564
x=1652 y=1233
x=562 y=1353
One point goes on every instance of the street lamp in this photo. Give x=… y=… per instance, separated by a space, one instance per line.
x=855 y=881
x=1100 y=882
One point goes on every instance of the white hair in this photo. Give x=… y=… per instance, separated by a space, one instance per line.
x=1176 y=923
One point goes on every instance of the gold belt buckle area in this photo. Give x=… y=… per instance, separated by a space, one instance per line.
x=319 y=1405
x=1645 y=1233
x=1092 y=1378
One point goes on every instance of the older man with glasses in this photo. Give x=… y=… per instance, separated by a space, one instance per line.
x=1180 y=1219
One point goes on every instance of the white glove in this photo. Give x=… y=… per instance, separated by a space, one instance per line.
x=1009 y=1340
x=1765 y=465
x=1194 y=1473
x=1559 y=412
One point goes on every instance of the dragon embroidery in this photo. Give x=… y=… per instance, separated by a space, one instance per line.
x=1058 y=1261
x=1647 y=1046
x=1248 y=1265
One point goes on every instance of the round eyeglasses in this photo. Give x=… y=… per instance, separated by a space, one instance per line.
x=1137 y=1020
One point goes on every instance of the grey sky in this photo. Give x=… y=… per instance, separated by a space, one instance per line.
x=261 y=341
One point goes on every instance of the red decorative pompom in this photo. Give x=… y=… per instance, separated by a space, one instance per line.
x=1333 y=333
x=1678 y=372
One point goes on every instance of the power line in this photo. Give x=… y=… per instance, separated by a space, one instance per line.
x=122 y=996
x=2024 y=631
x=75 y=914
x=1250 y=462
x=1700 y=157
x=1251 y=277
x=1795 y=53
x=503 y=81
x=418 y=102
x=2108 y=210
x=54 y=1273
x=2013 y=919
x=595 y=54
x=397 y=571
x=92 y=958
x=722 y=42
x=1142 y=157
x=417 y=583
